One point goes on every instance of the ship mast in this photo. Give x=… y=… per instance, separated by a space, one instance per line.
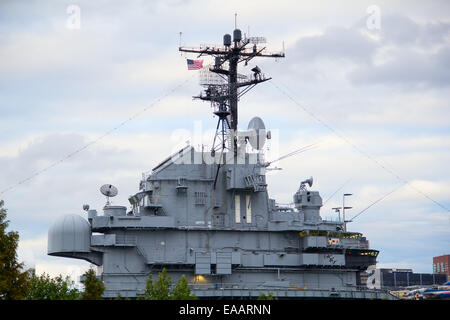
x=224 y=96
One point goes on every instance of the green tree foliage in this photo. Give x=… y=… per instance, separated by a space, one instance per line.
x=182 y=290
x=12 y=280
x=119 y=297
x=270 y=296
x=44 y=287
x=93 y=287
x=161 y=289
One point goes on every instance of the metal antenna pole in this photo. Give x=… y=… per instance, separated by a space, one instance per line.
x=224 y=97
x=343 y=209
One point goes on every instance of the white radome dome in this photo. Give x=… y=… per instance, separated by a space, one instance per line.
x=70 y=233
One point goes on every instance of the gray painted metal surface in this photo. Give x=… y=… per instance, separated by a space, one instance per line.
x=209 y=216
x=232 y=241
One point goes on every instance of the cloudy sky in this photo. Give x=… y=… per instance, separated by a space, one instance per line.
x=368 y=80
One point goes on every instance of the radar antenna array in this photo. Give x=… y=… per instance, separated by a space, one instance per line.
x=258 y=134
x=308 y=181
x=224 y=95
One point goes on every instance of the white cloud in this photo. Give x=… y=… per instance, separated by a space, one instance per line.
x=65 y=267
x=33 y=253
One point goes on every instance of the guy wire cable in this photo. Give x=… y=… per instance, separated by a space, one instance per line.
x=134 y=116
x=293 y=153
x=340 y=188
x=378 y=200
x=357 y=148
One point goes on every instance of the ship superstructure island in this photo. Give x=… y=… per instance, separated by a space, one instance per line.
x=207 y=214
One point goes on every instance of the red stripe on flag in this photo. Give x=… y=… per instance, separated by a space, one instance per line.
x=194 y=64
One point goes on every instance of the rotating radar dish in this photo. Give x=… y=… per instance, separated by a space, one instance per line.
x=108 y=190
x=257 y=130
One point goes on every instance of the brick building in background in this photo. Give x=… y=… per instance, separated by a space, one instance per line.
x=441 y=265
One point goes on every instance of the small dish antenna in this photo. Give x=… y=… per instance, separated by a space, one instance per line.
x=108 y=190
x=257 y=133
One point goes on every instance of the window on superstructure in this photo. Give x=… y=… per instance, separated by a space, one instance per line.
x=200 y=198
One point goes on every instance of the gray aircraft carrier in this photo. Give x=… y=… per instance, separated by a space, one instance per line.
x=208 y=214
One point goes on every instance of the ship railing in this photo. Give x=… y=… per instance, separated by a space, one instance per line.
x=126 y=239
x=344 y=245
x=257 y=181
x=333 y=220
x=258 y=286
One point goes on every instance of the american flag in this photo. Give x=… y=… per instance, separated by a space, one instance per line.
x=194 y=64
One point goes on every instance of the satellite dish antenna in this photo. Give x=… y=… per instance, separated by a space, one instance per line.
x=257 y=134
x=108 y=190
